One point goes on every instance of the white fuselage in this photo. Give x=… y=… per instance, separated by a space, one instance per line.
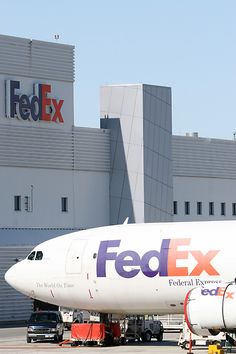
x=136 y=268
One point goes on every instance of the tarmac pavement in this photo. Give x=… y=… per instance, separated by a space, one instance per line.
x=13 y=340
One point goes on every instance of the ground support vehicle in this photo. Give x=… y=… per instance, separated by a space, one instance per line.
x=186 y=336
x=69 y=315
x=45 y=325
x=172 y=322
x=95 y=334
x=142 y=328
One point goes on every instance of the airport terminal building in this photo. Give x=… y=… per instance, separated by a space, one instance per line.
x=57 y=178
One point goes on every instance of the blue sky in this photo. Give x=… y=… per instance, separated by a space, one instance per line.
x=187 y=45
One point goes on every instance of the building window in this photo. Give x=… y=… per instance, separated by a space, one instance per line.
x=17 y=203
x=222 y=208
x=64 y=204
x=175 y=207
x=27 y=203
x=199 y=208
x=187 y=208
x=211 y=208
x=233 y=208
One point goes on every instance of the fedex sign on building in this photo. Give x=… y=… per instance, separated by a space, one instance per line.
x=38 y=106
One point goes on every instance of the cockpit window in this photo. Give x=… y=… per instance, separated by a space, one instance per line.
x=39 y=256
x=31 y=256
x=35 y=255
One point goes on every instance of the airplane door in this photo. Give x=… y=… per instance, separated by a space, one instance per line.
x=74 y=256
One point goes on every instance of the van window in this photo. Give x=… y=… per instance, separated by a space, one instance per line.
x=44 y=317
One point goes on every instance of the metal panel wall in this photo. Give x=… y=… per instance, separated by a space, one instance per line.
x=202 y=157
x=82 y=149
x=91 y=149
x=140 y=124
x=19 y=307
x=31 y=58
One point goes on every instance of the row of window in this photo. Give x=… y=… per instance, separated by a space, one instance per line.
x=24 y=203
x=199 y=208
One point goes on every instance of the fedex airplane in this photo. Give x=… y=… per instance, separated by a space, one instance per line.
x=158 y=268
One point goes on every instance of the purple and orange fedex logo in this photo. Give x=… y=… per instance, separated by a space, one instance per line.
x=219 y=291
x=35 y=107
x=167 y=258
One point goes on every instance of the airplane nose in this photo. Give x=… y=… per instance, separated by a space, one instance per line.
x=10 y=276
x=16 y=277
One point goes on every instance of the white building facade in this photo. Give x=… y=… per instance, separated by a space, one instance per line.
x=204 y=178
x=139 y=118
x=56 y=178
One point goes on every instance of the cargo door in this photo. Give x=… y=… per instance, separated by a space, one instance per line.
x=75 y=256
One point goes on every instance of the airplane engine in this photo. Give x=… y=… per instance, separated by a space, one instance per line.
x=211 y=309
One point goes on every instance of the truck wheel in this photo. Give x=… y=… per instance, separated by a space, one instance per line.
x=147 y=336
x=122 y=340
x=56 y=338
x=28 y=340
x=160 y=337
x=185 y=345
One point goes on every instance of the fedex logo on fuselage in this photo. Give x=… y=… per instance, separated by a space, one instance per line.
x=35 y=107
x=166 y=259
x=219 y=291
